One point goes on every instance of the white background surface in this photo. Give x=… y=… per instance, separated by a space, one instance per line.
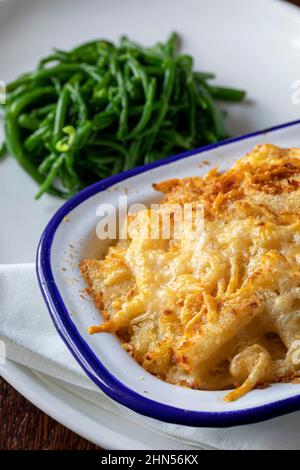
x=253 y=45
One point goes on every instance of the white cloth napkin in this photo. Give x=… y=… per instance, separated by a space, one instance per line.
x=31 y=339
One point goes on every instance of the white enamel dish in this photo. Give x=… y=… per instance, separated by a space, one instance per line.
x=71 y=236
x=260 y=38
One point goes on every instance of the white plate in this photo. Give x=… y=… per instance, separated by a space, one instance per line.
x=86 y=419
x=249 y=44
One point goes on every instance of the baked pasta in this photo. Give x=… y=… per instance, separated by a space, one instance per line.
x=221 y=310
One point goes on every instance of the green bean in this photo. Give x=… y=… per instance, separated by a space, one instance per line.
x=34 y=139
x=12 y=128
x=123 y=122
x=91 y=71
x=147 y=110
x=45 y=186
x=138 y=71
x=58 y=71
x=88 y=85
x=66 y=179
x=18 y=91
x=102 y=108
x=166 y=93
x=204 y=75
x=81 y=136
x=60 y=115
x=3 y=150
x=70 y=178
x=148 y=54
x=104 y=119
x=78 y=99
x=193 y=102
x=171 y=44
x=103 y=161
x=227 y=94
x=56 y=56
x=46 y=163
x=150 y=157
x=38 y=138
x=173 y=137
x=133 y=154
x=216 y=116
x=109 y=144
x=117 y=166
x=28 y=122
x=21 y=81
x=23 y=101
x=78 y=51
x=43 y=110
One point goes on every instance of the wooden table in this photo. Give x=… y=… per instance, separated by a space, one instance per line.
x=23 y=426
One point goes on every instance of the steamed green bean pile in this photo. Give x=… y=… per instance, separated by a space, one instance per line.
x=102 y=108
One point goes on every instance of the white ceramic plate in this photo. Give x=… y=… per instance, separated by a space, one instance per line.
x=71 y=236
x=101 y=427
x=252 y=44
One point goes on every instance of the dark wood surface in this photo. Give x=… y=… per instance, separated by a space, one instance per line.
x=23 y=426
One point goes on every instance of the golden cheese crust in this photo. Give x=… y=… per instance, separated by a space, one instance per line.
x=218 y=310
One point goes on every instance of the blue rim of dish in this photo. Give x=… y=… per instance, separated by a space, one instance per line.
x=87 y=359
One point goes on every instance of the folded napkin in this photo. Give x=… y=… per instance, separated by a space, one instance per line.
x=31 y=340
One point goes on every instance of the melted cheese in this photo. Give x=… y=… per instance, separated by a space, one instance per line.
x=220 y=309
